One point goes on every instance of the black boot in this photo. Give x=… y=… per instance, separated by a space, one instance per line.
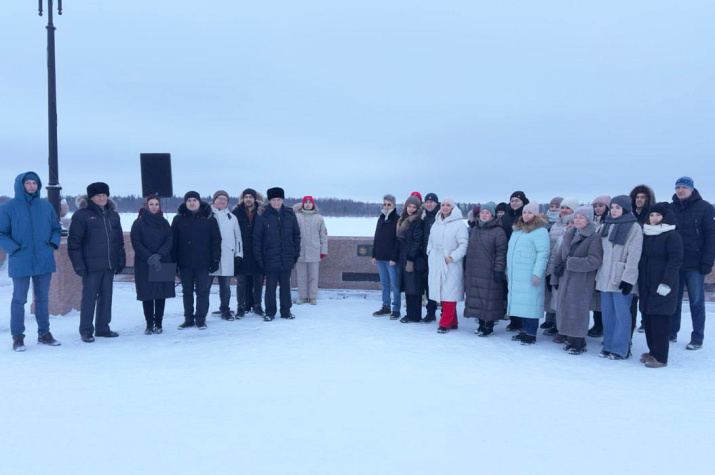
x=257 y=310
x=596 y=332
x=429 y=319
x=382 y=312
x=157 y=325
x=149 y=330
x=201 y=323
x=188 y=323
x=240 y=313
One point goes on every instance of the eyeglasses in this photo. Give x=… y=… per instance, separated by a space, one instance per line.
x=386 y=205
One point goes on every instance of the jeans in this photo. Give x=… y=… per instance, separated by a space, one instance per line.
x=195 y=279
x=695 y=282
x=616 y=310
x=249 y=290
x=97 y=288
x=224 y=292
x=273 y=279
x=529 y=325
x=390 y=283
x=41 y=292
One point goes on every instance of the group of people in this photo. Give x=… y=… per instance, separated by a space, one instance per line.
x=511 y=262
x=609 y=258
x=253 y=242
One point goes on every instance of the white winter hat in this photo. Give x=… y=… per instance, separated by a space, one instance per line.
x=450 y=202
x=571 y=203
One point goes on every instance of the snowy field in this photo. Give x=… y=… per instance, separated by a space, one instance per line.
x=337 y=391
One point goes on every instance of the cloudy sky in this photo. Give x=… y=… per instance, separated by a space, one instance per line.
x=472 y=99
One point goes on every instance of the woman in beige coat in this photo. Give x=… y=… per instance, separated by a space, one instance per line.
x=313 y=249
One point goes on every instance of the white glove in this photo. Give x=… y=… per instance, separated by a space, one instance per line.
x=663 y=290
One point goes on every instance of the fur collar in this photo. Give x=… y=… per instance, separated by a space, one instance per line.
x=203 y=212
x=539 y=221
x=298 y=208
x=82 y=202
x=404 y=223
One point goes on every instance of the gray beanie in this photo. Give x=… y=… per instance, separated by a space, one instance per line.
x=220 y=193
x=586 y=211
x=624 y=201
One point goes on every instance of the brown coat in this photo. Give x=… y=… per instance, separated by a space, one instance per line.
x=486 y=254
x=577 y=285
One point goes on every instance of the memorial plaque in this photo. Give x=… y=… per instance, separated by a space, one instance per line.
x=360 y=277
x=364 y=250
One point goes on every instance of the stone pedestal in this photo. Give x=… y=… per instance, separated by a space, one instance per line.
x=66 y=288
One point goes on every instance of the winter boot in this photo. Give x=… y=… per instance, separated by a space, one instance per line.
x=312 y=301
x=301 y=301
x=240 y=313
x=382 y=312
x=641 y=329
x=596 y=331
x=442 y=330
x=551 y=331
x=201 y=323
x=228 y=317
x=405 y=319
x=603 y=354
x=108 y=334
x=188 y=323
x=149 y=330
x=257 y=310
x=87 y=338
x=694 y=345
x=518 y=336
x=395 y=316
x=18 y=343
x=546 y=325
x=48 y=339
x=559 y=339
x=655 y=364
x=528 y=339
x=290 y=316
x=157 y=325
x=645 y=357
x=268 y=318
x=576 y=351
x=429 y=319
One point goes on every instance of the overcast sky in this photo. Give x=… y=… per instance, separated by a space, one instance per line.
x=472 y=99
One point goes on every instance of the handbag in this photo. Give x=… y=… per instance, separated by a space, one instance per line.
x=166 y=273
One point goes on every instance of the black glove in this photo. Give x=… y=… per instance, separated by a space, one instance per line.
x=555 y=287
x=213 y=267
x=548 y=281
x=81 y=272
x=706 y=269
x=498 y=276
x=118 y=270
x=53 y=245
x=626 y=288
x=237 y=262
x=154 y=259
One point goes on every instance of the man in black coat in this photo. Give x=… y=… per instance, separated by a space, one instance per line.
x=96 y=248
x=249 y=277
x=517 y=201
x=197 y=253
x=385 y=256
x=431 y=208
x=696 y=226
x=276 y=248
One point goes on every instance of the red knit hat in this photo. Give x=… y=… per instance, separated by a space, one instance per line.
x=306 y=198
x=417 y=194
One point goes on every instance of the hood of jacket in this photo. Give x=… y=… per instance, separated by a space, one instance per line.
x=682 y=204
x=82 y=202
x=645 y=189
x=20 y=193
x=298 y=208
x=539 y=221
x=455 y=216
x=260 y=205
x=203 y=212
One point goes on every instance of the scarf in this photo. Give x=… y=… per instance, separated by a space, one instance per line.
x=621 y=227
x=553 y=216
x=650 y=230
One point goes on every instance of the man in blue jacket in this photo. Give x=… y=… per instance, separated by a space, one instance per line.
x=29 y=233
x=276 y=247
x=696 y=225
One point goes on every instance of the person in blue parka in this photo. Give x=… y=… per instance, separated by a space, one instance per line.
x=30 y=234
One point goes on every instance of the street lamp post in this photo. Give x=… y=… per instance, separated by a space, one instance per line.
x=53 y=187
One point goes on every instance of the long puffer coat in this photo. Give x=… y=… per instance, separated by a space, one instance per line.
x=486 y=254
x=410 y=250
x=151 y=234
x=660 y=263
x=197 y=239
x=577 y=285
x=313 y=233
x=276 y=239
x=231 y=242
x=448 y=238
x=527 y=256
x=96 y=240
x=29 y=231
x=696 y=225
x=246 y=221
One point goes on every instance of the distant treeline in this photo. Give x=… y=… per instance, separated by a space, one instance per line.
x=327 y=206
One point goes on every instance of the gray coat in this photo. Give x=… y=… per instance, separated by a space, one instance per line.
x=620 y=263
x=486 y=254
x=577 y=285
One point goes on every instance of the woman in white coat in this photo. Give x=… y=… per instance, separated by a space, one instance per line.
x=313 y=249
x=231 y=250
x=446 y=249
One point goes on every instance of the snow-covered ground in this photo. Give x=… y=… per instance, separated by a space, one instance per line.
x=337 y=391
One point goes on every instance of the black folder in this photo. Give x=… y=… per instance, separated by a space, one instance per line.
x=167 y=273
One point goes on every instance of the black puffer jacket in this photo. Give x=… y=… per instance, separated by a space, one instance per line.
x=384 y=246
x=696 y=225
x=151 y=234
x=197 y=239
x=508 y=220
x=428 y=218
x=96 y=241
x=410 y=249
x=660 y=262
x=276 y=239
x=247 y=223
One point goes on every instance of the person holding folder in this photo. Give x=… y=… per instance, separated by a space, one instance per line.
x=153 y=272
